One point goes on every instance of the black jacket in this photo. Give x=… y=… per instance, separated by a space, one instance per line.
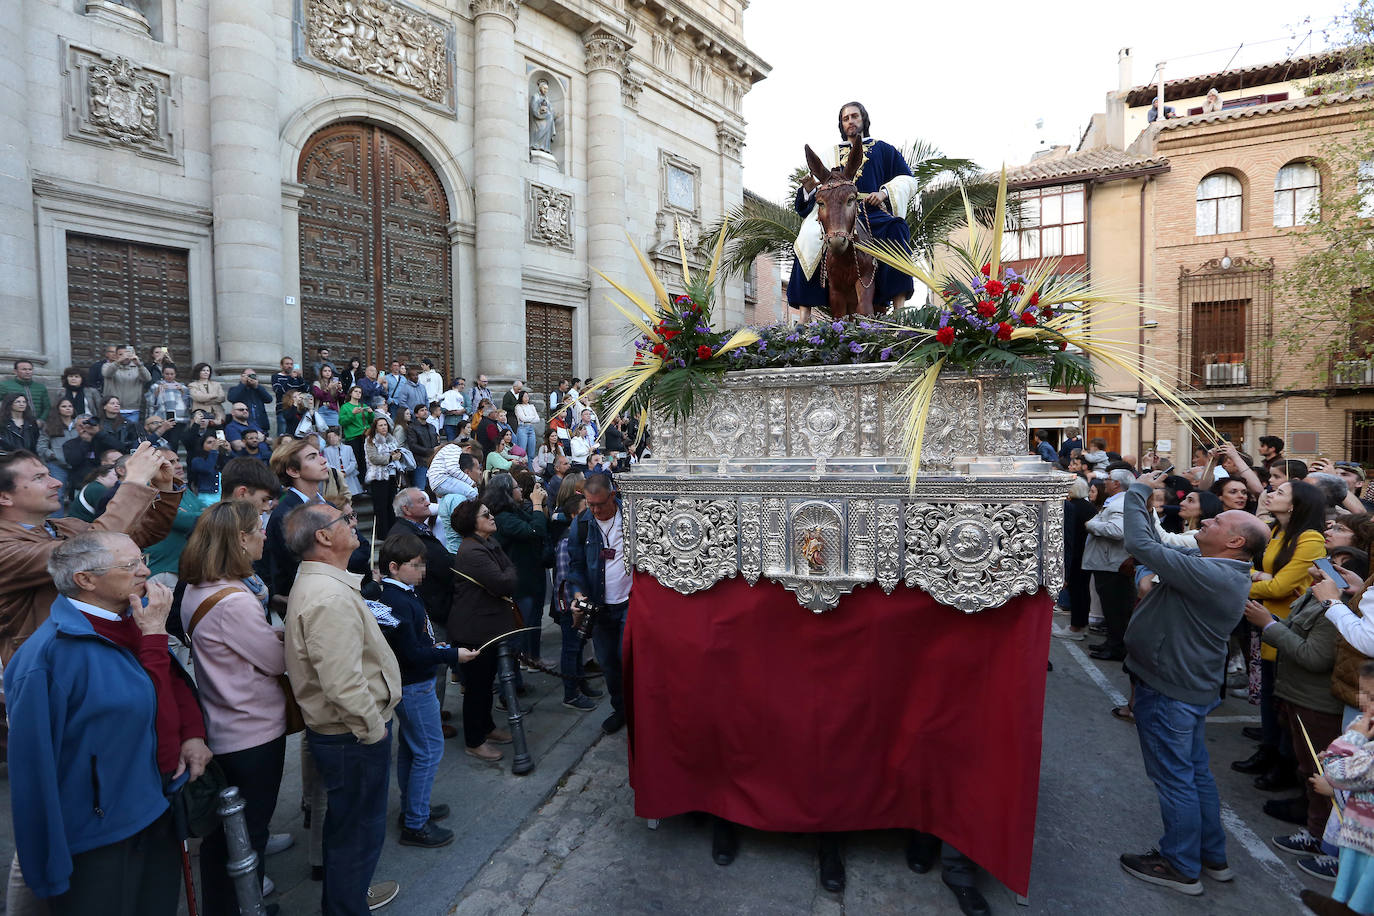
x=278 y=564
x=14 y=437
x=436 y=589
x=479 y=611
x=521 y=533
x=412 y=639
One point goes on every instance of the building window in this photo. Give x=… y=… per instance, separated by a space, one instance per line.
x=1360 y=435
x=1219 y=351
x=1297 y=195
x=1218 y=204
x=1051 y=224
x=1365 y=178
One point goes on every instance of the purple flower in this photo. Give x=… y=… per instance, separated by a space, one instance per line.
x=791 y=338
x=682 y=363
x=1011 y=274
x=815 y=339
x=886 y=354
x=702 y=329
x=837 y=326
x=944 y=319
x=763 y=344
x=855 y=347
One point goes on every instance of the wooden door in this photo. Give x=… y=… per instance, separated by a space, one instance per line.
x=548 y=346
x=1107 y=426
x=121 y=292
x=376 y=276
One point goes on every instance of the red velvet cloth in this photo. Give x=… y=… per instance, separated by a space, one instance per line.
x=889 y=711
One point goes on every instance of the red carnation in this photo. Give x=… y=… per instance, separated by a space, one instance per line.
x=1028 y=319
x=995 y=288
x=1063 y=344
x=661 y=350
x=639 y=359
x=669 y=333
x=987 y=270
x=945 y=335
x=703 y=352
x=1015 y=288
x=1035 y=298
x=1046 y=313
x=987 y=308
x=1004 y=331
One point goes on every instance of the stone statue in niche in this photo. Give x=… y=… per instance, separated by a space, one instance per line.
x=543 y=119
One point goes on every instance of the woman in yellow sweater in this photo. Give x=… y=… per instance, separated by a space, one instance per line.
x=1299 y=511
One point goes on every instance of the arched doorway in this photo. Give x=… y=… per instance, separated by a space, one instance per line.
x=376 y=274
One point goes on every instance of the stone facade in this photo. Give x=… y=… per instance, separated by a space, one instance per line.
x=183 y=125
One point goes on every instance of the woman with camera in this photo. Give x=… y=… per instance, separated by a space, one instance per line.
x=206 y=393
x=483 y=608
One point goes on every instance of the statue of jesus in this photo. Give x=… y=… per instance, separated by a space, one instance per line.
x=542 y=118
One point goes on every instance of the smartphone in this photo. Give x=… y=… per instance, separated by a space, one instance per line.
x=1168 y=470
x=219 y=434
x=170 y=414
x=1326 y=566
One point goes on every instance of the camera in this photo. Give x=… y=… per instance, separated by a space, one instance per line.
x=585 y=613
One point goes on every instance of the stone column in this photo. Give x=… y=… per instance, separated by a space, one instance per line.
x=730 y=291
x=607 y=251
x=18 y=246
x=245 y=181
x=502 y=143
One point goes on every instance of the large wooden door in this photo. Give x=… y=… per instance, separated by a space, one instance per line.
x=122 y=292
x=374 y=249
x=1106 y=426
x=548 y=346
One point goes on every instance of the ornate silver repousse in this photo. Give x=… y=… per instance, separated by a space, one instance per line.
x=751 y=539
x=973 y=556
x=1052 y=547
x=686 y=544
x=888 y=547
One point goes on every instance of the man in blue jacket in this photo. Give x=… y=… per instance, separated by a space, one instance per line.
x=597 y=572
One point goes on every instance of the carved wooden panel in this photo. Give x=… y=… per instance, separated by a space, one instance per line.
x=548 y=346
x=376 y=273
x=124 y=292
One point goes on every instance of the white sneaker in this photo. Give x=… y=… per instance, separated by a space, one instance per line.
x=1066 y=633
x=279 y=842
x=267 y=886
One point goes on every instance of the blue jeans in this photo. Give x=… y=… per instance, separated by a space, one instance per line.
x=525 y=438
x=355 y=776
x=570 y=659
x=329 y=415
x=419 y=750
x=1174 y=747
x=607 y=636
x=419 y=476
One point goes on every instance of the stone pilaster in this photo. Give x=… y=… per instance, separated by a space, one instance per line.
x=607 y=50
x=245 y=183
x=18 y=251
x=502 y=140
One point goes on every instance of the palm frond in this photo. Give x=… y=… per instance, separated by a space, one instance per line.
x=756 y=227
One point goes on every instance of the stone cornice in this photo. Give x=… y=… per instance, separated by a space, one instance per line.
x=509 y=9
x=679 y=17
x=125 y=203
x=608 y=48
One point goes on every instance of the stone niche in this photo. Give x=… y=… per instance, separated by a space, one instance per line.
x=112 y=101
x=556 y=156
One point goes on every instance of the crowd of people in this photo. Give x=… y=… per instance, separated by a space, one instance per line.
x=187 y=584
x=1245 y=575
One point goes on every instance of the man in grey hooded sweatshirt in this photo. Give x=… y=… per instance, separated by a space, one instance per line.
x=1176 y=656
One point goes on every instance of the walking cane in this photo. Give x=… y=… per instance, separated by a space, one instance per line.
x=190 y=884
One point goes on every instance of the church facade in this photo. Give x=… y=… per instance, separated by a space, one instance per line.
x=244 y=179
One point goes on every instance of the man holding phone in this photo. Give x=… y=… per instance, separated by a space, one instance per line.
x=171 y=401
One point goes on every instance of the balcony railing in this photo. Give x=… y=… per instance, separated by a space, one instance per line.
x=1222 y=375
x=1351 y=373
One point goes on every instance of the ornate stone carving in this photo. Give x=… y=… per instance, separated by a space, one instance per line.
x=551 y=217
x=730 y=141
x=605 y=50
x=113 y=101
x=973 y=556
x=508 y=8
x=385 y=43
x=686 y=544
x=631 y=85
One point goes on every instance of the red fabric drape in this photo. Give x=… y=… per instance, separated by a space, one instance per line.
x=889 y=711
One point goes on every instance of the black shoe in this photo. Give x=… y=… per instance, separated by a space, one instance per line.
x=1102 y=653
x=1258 y=762
x=1288 y=810
x=1252 y=732
x=1153 y=868
x=724 y=842
x=501 y=704
x=971 y=900
x=436 y=813
x=1277 y=779
x=921 y=851
x=832 y=865
x=430 y=836
x=614 y=723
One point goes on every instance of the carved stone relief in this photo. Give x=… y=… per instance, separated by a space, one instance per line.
x=605 y=50
x=731 y=142
x=550 y=217
x=112 y=101
x=384 y=43
x=631 y=85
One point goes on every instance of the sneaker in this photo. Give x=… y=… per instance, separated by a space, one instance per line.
x=382 y=893
x=430 y=836
x=1218 y=871
x=279 y=842
x=1301 y=843
x=1066 y=633
x=614 y=723
x=1153 y=868
x=580 y=703
x=1323 y=867
x=1060 y=610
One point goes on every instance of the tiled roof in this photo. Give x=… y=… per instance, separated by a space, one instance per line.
x=1235 y=114
x=1090 y=164
x=1188 y=87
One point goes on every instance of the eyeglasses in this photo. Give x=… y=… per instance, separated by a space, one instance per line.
x=348 y=518
x=143 y=560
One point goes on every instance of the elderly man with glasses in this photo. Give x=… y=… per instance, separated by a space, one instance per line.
x=106 y=722
x=347 y=682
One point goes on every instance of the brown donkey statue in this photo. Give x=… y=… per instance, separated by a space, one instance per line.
x=847 y=272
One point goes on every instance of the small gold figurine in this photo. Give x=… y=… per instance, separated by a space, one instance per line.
x=812 y=545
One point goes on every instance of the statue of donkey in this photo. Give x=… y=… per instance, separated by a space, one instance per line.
x=847 y=271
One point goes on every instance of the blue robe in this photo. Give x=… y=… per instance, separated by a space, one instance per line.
x=882 y=162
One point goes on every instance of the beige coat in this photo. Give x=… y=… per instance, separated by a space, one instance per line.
x=342 y=671
x=208 y=395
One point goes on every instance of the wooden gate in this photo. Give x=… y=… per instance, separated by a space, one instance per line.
x=376 y=277
x=548 y=347
x=122 y=292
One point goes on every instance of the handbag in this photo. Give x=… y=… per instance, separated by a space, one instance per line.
x=195 y=805
x=295 y=722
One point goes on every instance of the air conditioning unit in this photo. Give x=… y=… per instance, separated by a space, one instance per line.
x=1353 y=372
x=1219 y=374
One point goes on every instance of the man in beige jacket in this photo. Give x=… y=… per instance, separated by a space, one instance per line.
x=346 y=680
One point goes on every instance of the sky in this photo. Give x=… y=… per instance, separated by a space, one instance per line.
x=974 y=80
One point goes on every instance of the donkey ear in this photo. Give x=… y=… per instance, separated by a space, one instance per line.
x=818 y=169
x=856 y=158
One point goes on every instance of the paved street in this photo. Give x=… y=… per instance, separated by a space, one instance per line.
x=564 y=839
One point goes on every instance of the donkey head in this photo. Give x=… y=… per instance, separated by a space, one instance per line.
x=837 y=197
